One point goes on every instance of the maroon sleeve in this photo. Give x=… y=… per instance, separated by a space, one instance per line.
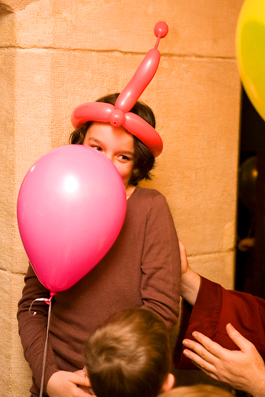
x=161 y=263
x=33 y=328
x=214 y=308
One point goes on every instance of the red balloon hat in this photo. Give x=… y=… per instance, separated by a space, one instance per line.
x=120 y=115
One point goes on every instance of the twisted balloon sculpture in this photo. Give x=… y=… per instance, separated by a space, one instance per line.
x=120 y=115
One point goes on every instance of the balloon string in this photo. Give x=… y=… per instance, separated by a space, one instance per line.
x=45 y=347
x=48 y=301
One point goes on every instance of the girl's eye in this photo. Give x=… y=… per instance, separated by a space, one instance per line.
x=96 y=147
x=124 y=158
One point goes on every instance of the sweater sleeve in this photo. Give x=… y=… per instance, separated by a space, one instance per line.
x=33 y=328
x=161 y=263
x=214 y=308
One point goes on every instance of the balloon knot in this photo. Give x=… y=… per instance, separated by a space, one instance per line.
x=116 y=117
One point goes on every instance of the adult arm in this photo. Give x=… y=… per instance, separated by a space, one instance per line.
x=190 y=281
x=214 y=307
x=161 y=263
x=242 y=369
x=33 y=331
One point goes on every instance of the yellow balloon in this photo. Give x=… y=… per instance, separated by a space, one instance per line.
x=250 y=52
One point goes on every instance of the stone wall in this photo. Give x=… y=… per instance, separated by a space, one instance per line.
x=56 y=54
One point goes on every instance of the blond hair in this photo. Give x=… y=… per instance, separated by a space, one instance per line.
x=129 y=355
x=197 y=391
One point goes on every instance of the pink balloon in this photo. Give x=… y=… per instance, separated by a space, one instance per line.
x=70 y=210
x=140 y=80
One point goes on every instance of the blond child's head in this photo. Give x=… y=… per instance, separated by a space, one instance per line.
x=129 y=355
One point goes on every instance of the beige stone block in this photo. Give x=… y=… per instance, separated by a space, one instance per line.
x=7 y=160
x=15 y=374
x=198 y=117
x=32 y=124
x=20 y=373
x=33 y=108
x=13 y=5
x=7 y=28
x=6 y=326
x=34 y=25
x=20 y=261
x=197 y=27
x=216 y=267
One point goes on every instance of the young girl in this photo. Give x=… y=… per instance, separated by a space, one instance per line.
x=142 y=269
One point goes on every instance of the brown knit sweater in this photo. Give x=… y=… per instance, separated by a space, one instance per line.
x=141 y=269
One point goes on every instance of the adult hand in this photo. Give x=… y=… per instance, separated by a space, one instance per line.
x=190 y=281
x=242 y=369
x=67 y=384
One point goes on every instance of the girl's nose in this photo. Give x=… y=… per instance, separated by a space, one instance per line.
x=109 y=156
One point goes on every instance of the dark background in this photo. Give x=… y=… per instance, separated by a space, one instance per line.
x=250 y=266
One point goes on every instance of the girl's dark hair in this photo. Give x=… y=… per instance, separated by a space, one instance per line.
x=144 y=160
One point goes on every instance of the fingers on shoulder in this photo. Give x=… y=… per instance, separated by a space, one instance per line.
x=238 y=338
x=197 y=352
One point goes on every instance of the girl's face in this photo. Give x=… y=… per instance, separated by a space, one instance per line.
x=115 y=143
